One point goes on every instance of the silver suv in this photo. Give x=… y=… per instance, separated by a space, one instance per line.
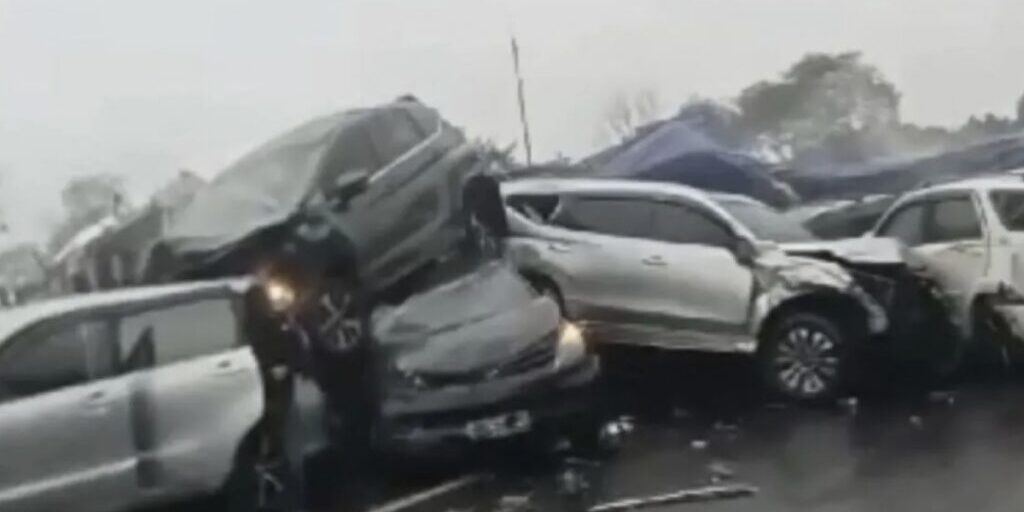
x=123 y=399
x=670 y=266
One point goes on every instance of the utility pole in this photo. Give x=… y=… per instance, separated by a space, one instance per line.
x=522 y=103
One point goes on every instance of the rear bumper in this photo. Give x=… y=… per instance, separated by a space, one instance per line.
x=449 y=420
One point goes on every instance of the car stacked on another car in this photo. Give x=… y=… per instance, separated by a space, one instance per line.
x=673 y=267
x=130 y=398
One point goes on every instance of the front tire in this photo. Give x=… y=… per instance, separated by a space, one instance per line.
x=806 y=357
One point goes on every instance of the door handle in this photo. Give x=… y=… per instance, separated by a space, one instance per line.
x=96 y=402
x=558 y=247
x=653 y=261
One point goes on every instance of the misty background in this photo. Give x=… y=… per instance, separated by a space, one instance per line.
x=138 y=90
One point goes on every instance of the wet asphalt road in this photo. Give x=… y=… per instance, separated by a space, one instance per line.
x=700 y=420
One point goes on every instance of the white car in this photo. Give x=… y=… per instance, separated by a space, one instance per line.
x=122 y=399
x=969 y=235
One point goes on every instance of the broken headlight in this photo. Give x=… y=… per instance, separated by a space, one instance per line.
x=571 y=345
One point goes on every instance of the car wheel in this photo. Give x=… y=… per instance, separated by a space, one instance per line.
x=805 y=357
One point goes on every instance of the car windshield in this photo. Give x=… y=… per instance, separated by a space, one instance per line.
x=1009 y=205
x=766 y=223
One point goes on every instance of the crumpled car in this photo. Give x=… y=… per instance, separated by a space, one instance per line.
x=970 y=235
x=673 y=267
x=479 y=356
x=350 y=202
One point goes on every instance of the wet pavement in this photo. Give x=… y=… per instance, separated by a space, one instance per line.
x=700 y=421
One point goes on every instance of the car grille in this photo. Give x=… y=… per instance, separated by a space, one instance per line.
x=535 y=356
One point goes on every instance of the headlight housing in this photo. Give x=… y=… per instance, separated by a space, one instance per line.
x=571 y=344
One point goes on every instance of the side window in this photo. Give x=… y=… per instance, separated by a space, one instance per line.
x=536 y=207
x=353 y=152
x=953 y=219
x=179 y=332
x=684 y=225
x=618 y=217
x=393 y=134
x=906 y=225
x=52 y=357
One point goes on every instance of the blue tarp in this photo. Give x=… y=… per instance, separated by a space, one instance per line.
x=675 y=151
x=897 y=175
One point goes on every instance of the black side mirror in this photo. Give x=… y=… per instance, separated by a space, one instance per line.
x=744 y=251
x=349 y=185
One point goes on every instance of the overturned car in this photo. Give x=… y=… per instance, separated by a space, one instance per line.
x=670 y=266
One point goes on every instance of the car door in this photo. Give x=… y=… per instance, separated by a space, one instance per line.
x=612 y=262
x=945 y=232
x=64 y=421
x=701 y=287
x=195 y=395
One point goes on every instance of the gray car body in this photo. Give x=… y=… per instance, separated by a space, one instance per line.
x=417 y=170
x=77 y=447
x=658 y=293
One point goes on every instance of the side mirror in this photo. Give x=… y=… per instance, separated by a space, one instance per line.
x=745 y=251
x=349 y=185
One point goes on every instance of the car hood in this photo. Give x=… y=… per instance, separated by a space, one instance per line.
x=864 y=250
x=475 y=321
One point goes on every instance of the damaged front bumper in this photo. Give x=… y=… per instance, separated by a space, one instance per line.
x=457 y=417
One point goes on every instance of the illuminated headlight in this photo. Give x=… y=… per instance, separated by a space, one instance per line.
x=571 y=345
x=280 y=295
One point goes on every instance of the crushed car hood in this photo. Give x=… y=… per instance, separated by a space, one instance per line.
x=864 y=250
x=475 y=321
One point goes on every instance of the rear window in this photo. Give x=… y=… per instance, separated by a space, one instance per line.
x=1009 y=205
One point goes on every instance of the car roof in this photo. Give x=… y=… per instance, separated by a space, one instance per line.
x=17 y=318
x=571 y=185
x=983 y=184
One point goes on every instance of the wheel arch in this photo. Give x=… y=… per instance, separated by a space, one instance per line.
x=845 y=310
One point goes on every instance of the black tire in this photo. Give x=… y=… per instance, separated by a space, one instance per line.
x=807 y=357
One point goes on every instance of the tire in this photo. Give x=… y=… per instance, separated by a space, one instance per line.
x=806 y=357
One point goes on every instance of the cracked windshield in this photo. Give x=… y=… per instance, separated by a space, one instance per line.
x=511 y=255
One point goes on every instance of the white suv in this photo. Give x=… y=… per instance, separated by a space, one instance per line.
x=969 y=235
x=122 y=399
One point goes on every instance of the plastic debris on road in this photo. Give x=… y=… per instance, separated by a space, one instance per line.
x=720 y=471
x=698 y=444
x=942 y=397
x=916 y=421
x=696 y=495
x=849 y=404
x=518 y=503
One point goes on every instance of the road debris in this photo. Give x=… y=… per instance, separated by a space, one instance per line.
x=849 y=404
x=720 y=471
x=942 y=397
x=418 y=498
x=722 y=426
x=515 y=503
x=571 y=482
x=698 y=444
x=701 y=494
x=916 y=421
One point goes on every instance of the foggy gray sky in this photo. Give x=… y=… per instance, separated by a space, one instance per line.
x=143 y=88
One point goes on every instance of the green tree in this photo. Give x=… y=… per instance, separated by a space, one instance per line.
x=822 y=96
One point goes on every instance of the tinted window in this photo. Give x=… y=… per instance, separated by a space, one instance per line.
x=685 y=225
x=766 y=223
x=1009 y=206
x=353 y=151
x=394 y=134
x=50 y=358
x=176 y=333
x=905 y=225
x=619 y=217
x=953 y=219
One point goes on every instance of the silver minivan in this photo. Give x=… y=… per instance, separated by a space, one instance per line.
x=122 y=399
